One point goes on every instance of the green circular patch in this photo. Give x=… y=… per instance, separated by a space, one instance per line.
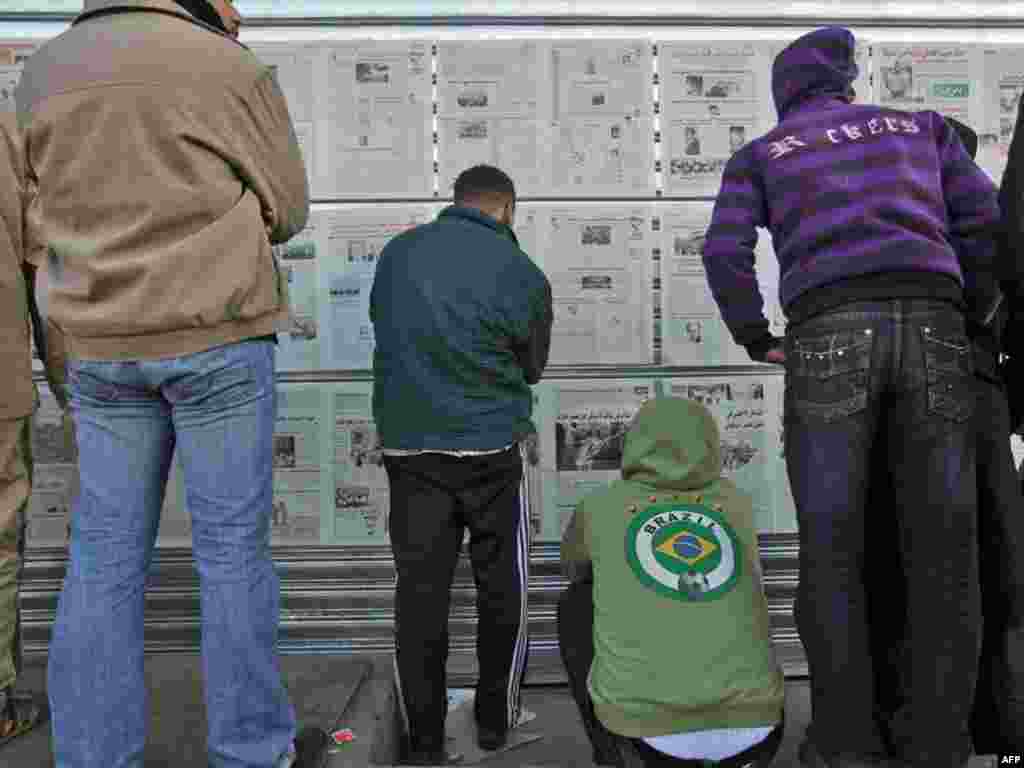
x=684 y=551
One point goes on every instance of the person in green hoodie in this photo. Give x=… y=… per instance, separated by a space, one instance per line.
x=664 y=627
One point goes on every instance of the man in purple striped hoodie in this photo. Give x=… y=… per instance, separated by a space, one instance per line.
x=882 y=226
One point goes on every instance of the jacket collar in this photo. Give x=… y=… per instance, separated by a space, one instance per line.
x=91 y=6
x=167 y=7
x=479 y=217
x=470 y=214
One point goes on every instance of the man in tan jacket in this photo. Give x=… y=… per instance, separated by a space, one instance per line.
x=19 y=713
x=162 y=165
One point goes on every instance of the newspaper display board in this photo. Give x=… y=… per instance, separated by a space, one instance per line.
x=998 y=104
x=745 y=408
x=491 y=109
x=714 y=97
x=691 y=328
x=571 y=118
x=374 y=127
x=602 y=118
x=934 y=76
x=299 y=467
x=583 y=427
x=359 y=508
x=299 y=260
x=598 y=260
x=295 y=67
x=353 y=239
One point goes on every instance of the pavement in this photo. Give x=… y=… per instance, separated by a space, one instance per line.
x=357 y=694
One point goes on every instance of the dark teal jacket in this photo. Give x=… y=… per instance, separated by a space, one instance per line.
x=462 y=320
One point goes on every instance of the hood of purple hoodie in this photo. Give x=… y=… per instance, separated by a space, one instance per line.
x=821 y=63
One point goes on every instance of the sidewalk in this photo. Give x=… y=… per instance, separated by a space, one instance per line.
x=335 y=692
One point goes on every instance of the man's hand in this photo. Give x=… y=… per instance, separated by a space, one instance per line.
x=776 y=355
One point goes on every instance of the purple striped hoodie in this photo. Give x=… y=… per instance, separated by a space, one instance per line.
x=846 y=190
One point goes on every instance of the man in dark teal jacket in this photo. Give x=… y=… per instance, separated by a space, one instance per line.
x=462 y=320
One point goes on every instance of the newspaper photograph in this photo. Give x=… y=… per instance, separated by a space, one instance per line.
x=490 y=102
x=692 y=329
x=379 y=113
x=299 y=347
x=295 y=68
x=711 y=95
x=55 y=475
x=602 y=140
x=591 y=419
x=298 y=465
x=354 y=241
x=748 y=425
x=361 y=504
x=601 y=285
x=925 y=76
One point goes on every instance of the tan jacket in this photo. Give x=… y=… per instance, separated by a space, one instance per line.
x=161 y=163
x=17 y=393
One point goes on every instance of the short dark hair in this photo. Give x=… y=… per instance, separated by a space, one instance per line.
x=484 y=184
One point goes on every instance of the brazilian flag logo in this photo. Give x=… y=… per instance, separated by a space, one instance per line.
x=687 y=551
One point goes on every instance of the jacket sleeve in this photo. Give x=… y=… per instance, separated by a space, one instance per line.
x=1010 y=235
x=268 y=159
x=528 y=317
x=972 y=209
x=740 y=209
x=532 y=352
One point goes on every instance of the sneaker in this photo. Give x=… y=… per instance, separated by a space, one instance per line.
x=311 y=748
x=490 y=739
x=19 y=714
x=441 y=757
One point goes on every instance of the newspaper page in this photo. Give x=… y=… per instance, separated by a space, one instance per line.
x=55 y=475
x=691 y=325
x=295 y=67
x=354 y=241
x=590 y=422
x=999 y=98
x=749 y=432
x=530 y=226
x=13 y=56
x=490 y=101
x=299 y=348
x=602 y=131
x=601 y=284
x=712 y=95
x=921 y=76
x=299 y=468
x=361 y=502
x=378 y=120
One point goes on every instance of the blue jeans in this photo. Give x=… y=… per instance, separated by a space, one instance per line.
x=218 y=407
x=898 y=374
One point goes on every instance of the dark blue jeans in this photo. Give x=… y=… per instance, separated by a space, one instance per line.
x=997 y=718
x=894 y=374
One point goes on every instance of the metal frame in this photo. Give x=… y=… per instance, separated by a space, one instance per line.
x=931 y=22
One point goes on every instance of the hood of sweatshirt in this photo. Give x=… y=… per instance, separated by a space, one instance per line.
x=673 y=444
x=821 y=63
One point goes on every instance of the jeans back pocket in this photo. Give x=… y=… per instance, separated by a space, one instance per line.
x=827 y=374
x=948 y=368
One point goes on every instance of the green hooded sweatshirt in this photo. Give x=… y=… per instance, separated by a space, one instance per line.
x=681 y=636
